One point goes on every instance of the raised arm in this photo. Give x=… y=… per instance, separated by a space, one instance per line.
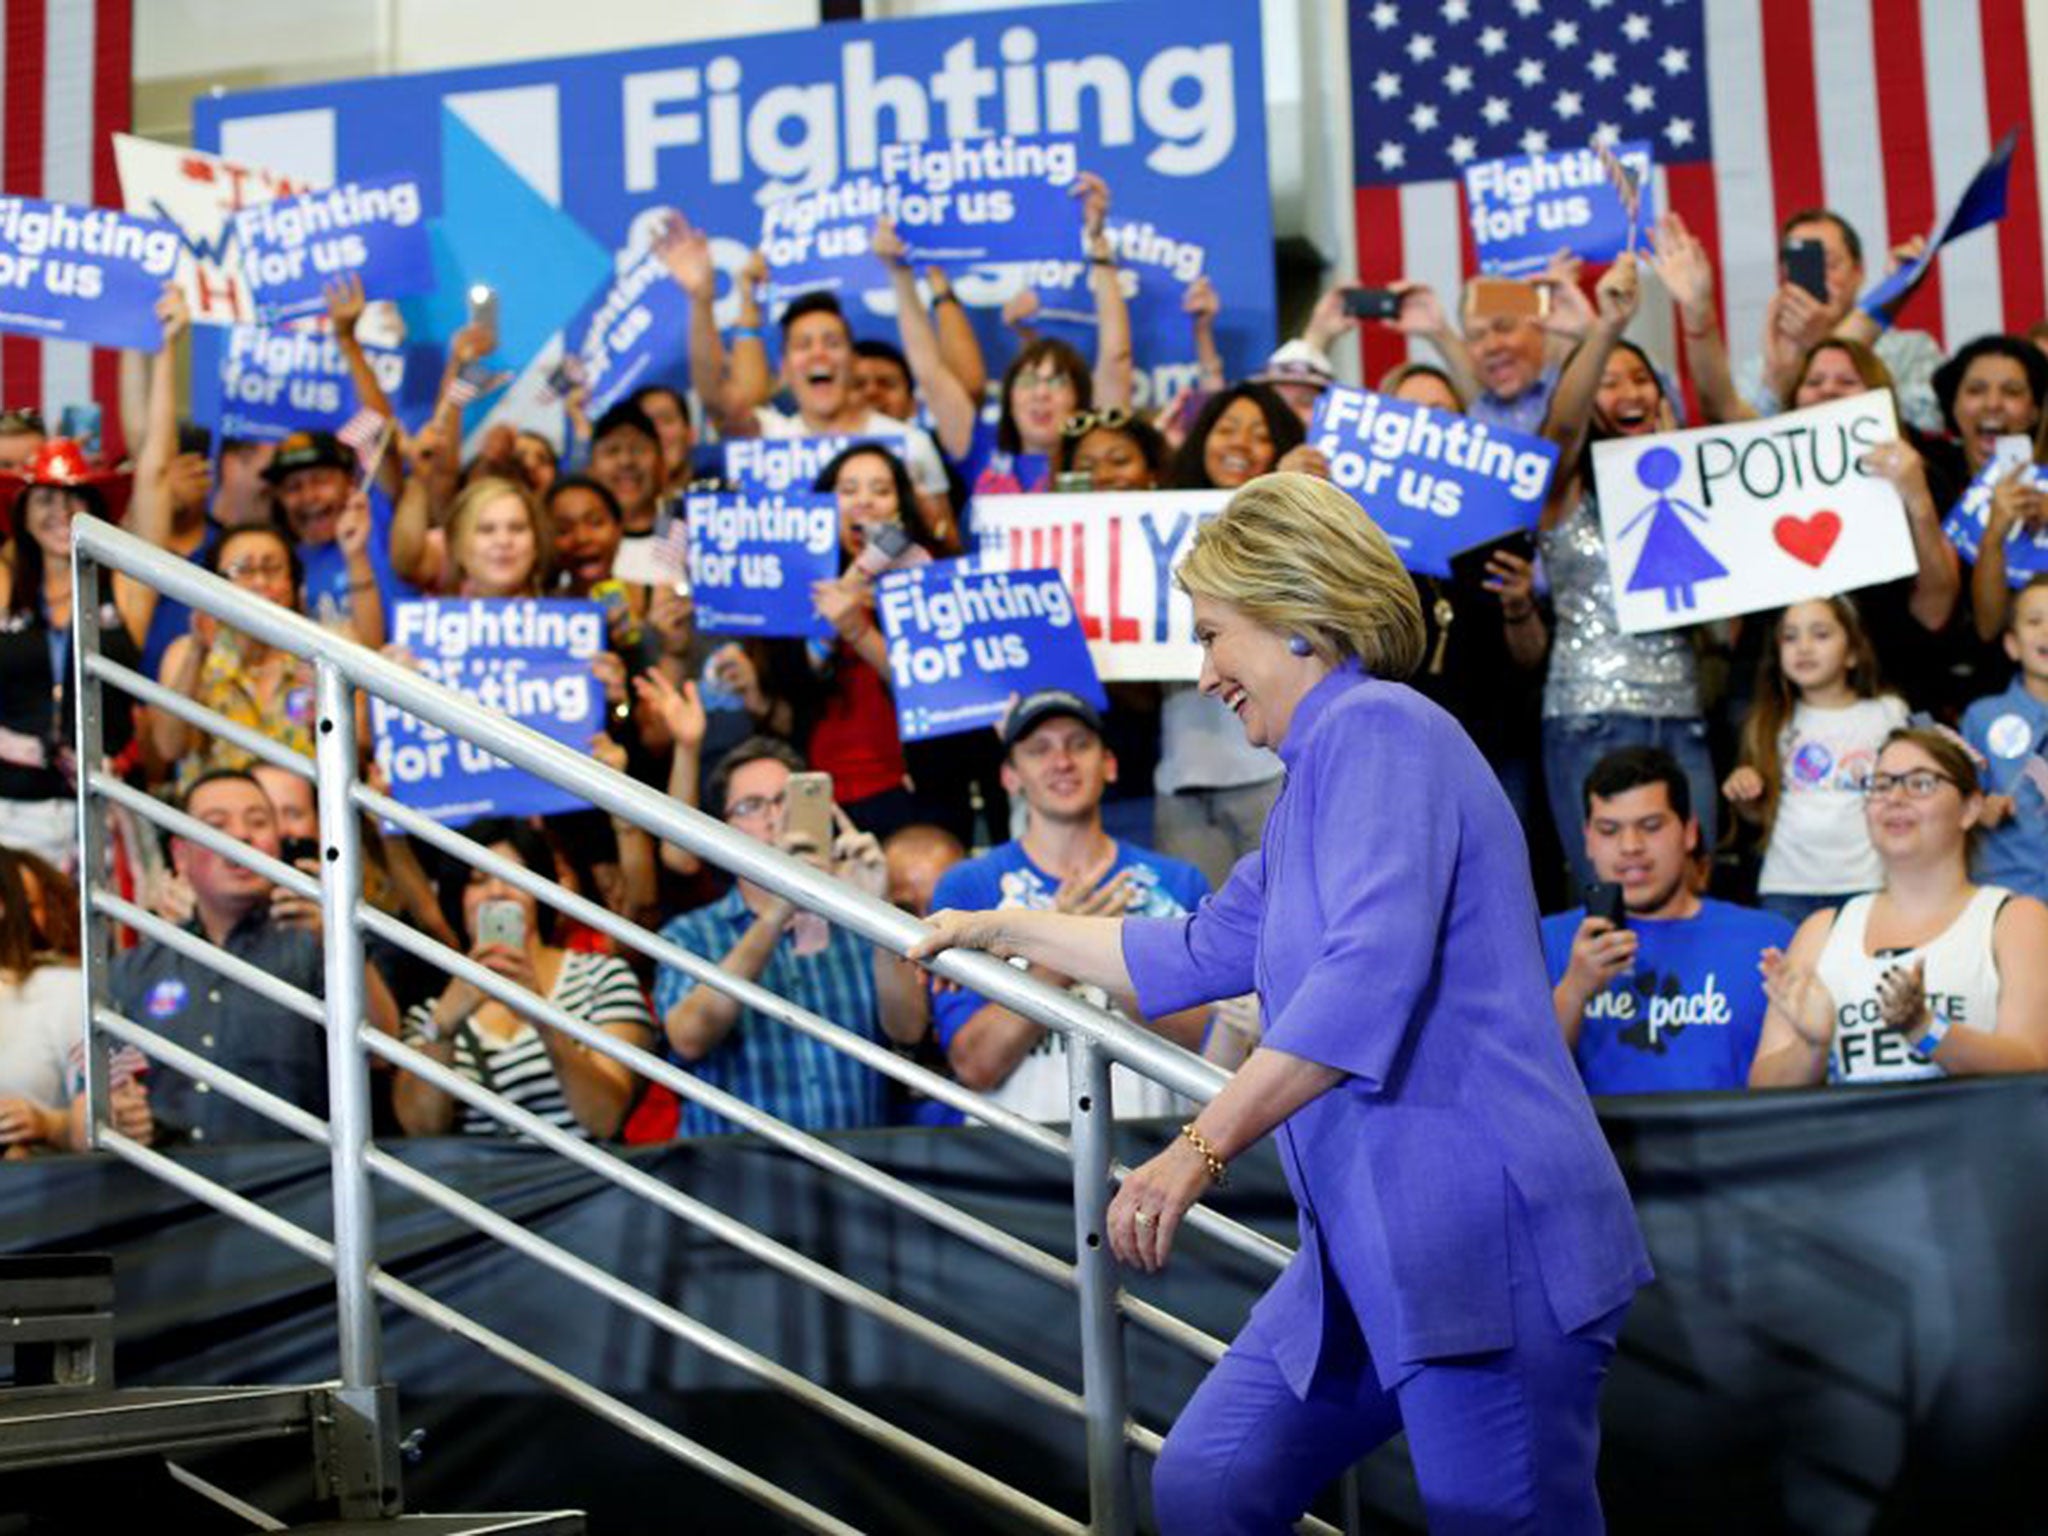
x=1202 y=304
x=686 y=252
x=2015 y=501
x=149 y=509
x=951 y=406
x=1423 y=314
x=959 y=348
x=1682 y=264
x=1571 y=407
x=749 y=381
x=1114 y=364
x=1938 y=581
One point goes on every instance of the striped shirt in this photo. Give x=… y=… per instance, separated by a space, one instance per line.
x=773 y=1067
x=597 y=989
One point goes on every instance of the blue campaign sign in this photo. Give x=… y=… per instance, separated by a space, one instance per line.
x=278 y=380
x=955 y=204
x=2026 y=554
x=1435 y=482
x=963 y=639
x=636 y=325
x=753 y=559
x=534 y=173
x=527 y=658
x=790 y=463
x=1526 y=208
x=292 y=247
x=83 y=274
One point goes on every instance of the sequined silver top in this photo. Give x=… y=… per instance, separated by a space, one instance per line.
x=1595 y=669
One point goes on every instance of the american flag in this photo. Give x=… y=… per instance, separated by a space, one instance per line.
x=473 y=381
x=1879 y=109
x=365 y=434
x=65 y=67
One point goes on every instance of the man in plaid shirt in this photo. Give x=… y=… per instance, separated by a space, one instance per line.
x=755 y=934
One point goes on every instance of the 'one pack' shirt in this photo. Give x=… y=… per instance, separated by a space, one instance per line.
x=1688 y=1016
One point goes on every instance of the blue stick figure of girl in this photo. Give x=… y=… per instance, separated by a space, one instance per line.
x=1673 y=560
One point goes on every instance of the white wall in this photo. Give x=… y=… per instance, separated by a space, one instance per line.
x=184 y=48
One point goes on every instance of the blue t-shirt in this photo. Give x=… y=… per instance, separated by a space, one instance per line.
x=1689 y=1016
x=2010 y=729
x=1006 y=877
x=328 y=600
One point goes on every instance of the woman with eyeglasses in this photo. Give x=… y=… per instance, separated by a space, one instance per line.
x=242 y=678
x=1930 y=977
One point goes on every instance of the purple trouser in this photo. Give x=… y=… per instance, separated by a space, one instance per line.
x=1506 y=1441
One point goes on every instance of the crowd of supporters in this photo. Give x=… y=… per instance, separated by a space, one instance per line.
x=1794 y=847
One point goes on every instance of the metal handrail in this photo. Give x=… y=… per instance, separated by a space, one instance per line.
x=1095 y=1040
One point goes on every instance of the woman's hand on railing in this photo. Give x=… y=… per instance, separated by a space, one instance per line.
x=1149 y=1208
x=986 y=931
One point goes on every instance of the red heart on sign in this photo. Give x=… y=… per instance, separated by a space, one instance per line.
x=1808 y=539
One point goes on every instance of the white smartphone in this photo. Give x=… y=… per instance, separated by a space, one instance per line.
x=501 y=922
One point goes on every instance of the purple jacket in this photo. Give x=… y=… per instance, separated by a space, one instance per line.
x=1390 y=929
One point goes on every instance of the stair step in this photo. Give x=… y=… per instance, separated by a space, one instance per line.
x=560 y=1522
x=40 y=1431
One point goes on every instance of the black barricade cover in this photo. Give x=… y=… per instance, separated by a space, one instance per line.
x=1849 y=1331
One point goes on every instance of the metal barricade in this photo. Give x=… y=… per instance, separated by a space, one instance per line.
x=368 y=1443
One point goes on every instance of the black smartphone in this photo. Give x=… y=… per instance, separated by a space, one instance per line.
x=298 y=850
x=1371 y=303
x=1468 y=567
x=1806 y=266
x=1604 y=899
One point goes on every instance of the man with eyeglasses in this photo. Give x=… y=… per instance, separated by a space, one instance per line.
x=757 y=936
x=1666 y=999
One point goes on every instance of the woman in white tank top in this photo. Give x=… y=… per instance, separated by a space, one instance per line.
x=1930 y=977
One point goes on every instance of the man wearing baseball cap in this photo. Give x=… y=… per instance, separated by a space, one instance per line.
x=1055 y=760
x=344 y=543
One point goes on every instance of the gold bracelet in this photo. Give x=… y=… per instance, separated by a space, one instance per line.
x=1201 y=1144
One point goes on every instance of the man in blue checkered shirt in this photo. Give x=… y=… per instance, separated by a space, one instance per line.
x=757 y=935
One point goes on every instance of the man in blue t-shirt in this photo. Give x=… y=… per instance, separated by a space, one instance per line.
x=1669 y=1000
x=348 y=581
x=1055 y=761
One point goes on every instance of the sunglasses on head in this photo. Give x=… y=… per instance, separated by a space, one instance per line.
x=1081 y=423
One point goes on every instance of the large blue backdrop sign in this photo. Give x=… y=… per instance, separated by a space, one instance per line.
x=545 y=179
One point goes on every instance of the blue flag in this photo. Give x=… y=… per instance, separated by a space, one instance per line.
x=83 y=274
x=1982 y=202
x=1436 y=483
x=292 y=247
x=527 y=659
x=962 y=640
x=1524 y=209
x=753 y=559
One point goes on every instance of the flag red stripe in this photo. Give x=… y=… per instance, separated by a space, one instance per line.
x=1380 y=261
x=1791 y=105
x=2008 y=101
x=21 y=363
x=1468 y=247
x=112 y=109
x=1905 y=132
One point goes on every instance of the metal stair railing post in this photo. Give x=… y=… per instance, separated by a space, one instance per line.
x=1103 y=1386
x=96 y=941
x=364 y=1465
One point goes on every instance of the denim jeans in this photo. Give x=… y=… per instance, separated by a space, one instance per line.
x=1573 y=744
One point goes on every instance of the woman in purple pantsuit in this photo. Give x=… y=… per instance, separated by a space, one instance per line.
x=1467 y=1246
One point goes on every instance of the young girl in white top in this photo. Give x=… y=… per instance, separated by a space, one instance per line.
x=1931 y=976
x=1809 y=741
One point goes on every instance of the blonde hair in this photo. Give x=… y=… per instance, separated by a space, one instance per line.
x=1294 y=552
x=473 y=498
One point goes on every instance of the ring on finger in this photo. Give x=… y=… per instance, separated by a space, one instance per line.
x=1143 y=1218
